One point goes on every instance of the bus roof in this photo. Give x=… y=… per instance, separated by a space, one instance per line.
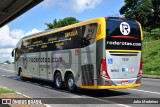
x=62 y=28
x=71 y=26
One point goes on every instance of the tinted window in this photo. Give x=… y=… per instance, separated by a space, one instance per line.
x=123 y=34
x=89 y=34
x=69 y=39
x=113 y=28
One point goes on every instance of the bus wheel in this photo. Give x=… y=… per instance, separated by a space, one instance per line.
x=58 y=80
x=71 y=83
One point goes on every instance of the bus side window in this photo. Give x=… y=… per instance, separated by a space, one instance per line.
x=85 y=42
x=89 y=34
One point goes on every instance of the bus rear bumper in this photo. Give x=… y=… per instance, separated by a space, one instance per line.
x=110 y=87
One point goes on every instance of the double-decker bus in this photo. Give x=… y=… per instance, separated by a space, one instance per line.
x=101 y=53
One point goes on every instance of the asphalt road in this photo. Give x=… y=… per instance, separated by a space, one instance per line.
x=149 y=89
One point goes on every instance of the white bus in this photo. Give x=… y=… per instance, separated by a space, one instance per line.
x=101 y=53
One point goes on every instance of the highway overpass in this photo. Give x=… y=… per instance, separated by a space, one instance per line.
x=11 y=9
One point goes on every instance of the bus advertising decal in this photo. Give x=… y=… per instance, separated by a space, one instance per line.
x=126 y=44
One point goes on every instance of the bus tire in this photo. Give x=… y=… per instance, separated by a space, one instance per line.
x=71 y=83
x=58 y=80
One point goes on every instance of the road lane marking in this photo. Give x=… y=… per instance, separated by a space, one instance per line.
x=36 y=84
x=7 y=69
x=2 y=65
x=48 y=105
x=47 y=86
x=8 y=76
x=22 y=94
x=145 y=91
x=27 y=81
x=124 y=105
x=14 y=78
x=30 y=97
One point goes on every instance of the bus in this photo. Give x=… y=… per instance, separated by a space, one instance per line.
x=100 y=53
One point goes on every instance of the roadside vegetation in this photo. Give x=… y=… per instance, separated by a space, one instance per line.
x=4 y=90
x=147 y=12
x=151 y=52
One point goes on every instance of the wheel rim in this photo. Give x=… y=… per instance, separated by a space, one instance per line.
x=70 y=83
x=58 y=81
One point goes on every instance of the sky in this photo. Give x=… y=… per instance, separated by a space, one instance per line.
x=33 y=21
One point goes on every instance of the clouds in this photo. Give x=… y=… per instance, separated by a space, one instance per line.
x=6 y=40
x=17 y=33
x=49 y=3
x=77 y=6
x=6 y=55
x=9 y=39
x=81 y=5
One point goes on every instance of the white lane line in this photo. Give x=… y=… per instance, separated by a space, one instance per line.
x=123 y=105
x=36 y=84
x=47 y=105
x=8 y=76
x=47 y=86
x=22 y=94
x=145 y=91
x=7 y=69
x=14 y=78
x=27 y=81
x=2 y=65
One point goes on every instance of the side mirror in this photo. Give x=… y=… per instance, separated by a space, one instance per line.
x=13 y=52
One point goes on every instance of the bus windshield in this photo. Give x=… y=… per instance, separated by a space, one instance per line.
x=123 y=34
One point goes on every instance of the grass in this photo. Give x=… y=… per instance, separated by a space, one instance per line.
x=4 y=90
x=151 y=57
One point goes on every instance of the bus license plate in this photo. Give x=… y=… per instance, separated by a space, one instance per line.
x=124 y=82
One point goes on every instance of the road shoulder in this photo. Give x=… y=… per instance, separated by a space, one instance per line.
x=7 y=99
x=151 y=76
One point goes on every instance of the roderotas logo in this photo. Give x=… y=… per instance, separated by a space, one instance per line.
x=125 y=28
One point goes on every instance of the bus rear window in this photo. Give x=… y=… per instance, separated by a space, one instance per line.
x=123 y=35
x=117 y=27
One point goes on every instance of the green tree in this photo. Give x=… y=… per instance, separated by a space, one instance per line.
x=154 y=18
x=147 y=12
x=7 y=62
x=61 y=23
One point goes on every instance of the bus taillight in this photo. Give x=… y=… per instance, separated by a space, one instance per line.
x=103 y=70
x=140 y=69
